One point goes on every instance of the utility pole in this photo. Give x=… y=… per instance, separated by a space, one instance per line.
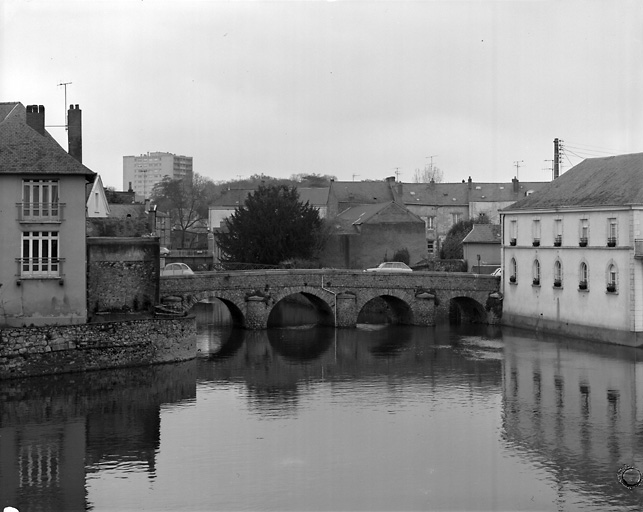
x=517 y=164
x=354 y=176
x=557 y=157
x=65 y=84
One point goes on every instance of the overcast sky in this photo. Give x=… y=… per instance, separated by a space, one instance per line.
x=355 y=89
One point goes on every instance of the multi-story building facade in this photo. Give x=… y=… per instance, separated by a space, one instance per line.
x=572 y=253
x=141 y=173
x=42 y=220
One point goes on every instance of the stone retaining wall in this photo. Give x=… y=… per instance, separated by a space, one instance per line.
x=60 y=349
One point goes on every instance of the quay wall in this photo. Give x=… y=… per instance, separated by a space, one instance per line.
x=30 y=351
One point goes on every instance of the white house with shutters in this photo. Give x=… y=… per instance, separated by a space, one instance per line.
x=572 y=253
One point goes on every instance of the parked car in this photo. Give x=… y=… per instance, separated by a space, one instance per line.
x=176 y=269
x=497 y=272
x=391 y=266
x=164 y=251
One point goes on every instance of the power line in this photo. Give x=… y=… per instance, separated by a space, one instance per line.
x=597 y=148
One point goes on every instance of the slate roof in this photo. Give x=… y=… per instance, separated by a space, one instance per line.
x=121 y=211
x=25 y=151
x=362 y=192
x=483 y=234
x=348 y=220
x=608 y=181
x=443 y=194
x=233 y=198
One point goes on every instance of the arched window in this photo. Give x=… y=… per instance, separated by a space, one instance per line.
x=536 y=272
x=583 y=274
x=513 y=271
x=558 y=273
x=612 y=278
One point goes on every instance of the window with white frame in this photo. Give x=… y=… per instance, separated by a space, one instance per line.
x=39 y=256
x=40 y=199
x=513 y=271
x=583 y=276
x=513 y=231
x=456 y=217
x=535 y=231
x=584 y=230
x=558 y=273
x=430 y=246
x=612 y=231
x=558 y=232
x=612 y=277
x=536 y=272
x=430 y=222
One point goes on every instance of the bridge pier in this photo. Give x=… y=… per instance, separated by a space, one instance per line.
x=256 y=316
x=424 y=310
x=346 y=310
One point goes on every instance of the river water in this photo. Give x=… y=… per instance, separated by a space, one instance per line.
x=381 y=417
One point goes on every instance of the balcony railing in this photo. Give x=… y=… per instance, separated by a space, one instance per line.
x=40 y=268
x=40 y=212
x=583 y=241
x=611 y=242
x=558 y=240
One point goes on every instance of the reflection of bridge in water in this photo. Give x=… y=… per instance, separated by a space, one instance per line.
x=340 y=296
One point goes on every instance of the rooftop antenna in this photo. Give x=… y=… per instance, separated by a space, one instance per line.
x=551 y=168
x=65 y=84
x=397 y=174
x=517 y=164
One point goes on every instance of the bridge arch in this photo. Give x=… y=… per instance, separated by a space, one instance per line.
x=235 y=307
x=395 y=305
x=385 y=309
x=322 y=312
x=463 y=309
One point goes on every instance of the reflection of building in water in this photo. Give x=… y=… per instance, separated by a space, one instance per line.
x=55 y=430
x=41 y=466
x=574 y=406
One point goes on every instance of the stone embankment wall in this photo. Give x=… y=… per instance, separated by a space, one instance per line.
x=61 y=349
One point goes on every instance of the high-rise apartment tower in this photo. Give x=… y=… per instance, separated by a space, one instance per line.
x=144 y=171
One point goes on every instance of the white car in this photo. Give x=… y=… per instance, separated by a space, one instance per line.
x=164 y=251
x=497 y=272
x=176 y=269
x=390 y=266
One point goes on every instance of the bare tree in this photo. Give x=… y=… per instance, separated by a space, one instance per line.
x=430 y=173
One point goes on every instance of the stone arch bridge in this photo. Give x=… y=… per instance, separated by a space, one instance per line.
x=417 y=298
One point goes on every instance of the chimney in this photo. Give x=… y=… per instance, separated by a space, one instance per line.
x=516 y=185
x=74 y=133
x=470 y=182
x=36 y=118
